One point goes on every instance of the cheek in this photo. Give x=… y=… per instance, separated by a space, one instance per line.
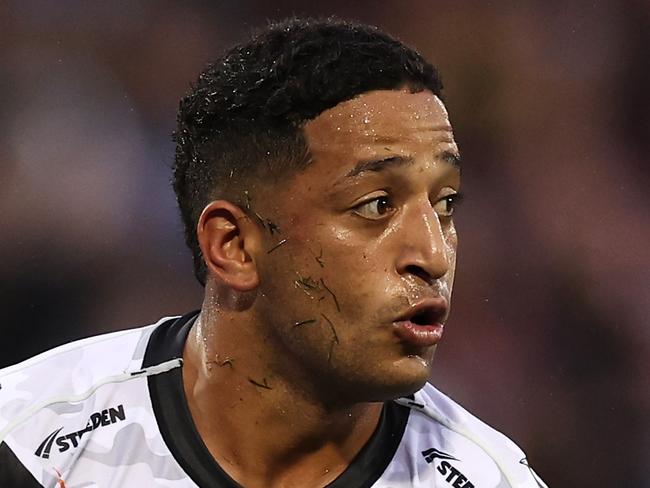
x=343 y=261
x=451 y=243
x=451 y=248
x=361 y=276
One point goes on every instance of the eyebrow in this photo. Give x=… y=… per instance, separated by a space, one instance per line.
x=451 y=157
x=377 y=165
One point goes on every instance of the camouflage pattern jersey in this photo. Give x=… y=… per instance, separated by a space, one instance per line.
x=110 y=412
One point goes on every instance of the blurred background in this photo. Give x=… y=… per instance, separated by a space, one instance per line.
x=549 y=338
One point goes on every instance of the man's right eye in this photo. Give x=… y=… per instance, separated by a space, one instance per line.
x=375 y=209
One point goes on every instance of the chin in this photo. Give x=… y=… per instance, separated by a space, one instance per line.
x=410 y=385
x=402 y=379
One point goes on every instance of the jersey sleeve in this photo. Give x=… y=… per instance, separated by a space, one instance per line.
x=509 y=457
x=52 y=404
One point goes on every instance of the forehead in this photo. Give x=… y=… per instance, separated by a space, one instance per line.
x=384 y=119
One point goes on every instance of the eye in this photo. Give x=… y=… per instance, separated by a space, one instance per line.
x=375 y=209
x=446 y=205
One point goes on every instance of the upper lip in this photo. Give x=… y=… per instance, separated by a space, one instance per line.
x=426 y=312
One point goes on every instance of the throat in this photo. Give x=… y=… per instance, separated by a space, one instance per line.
x=258 y=429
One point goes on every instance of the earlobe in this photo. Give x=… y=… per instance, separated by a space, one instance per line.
x=228 y=240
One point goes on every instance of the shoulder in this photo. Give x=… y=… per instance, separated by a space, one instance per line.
x=455 y=416
x=464 y=446
x=72 y=367
x=52 y=404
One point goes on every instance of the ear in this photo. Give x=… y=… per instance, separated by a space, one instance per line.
x=228 y=241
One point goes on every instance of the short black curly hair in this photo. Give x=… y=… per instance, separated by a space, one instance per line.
x=244 y=115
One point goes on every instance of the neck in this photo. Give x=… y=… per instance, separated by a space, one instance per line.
x=261 y=426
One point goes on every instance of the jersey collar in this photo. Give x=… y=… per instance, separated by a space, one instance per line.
x=184 y=442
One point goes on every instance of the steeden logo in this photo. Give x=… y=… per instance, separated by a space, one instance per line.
x=453 y=475
x=64 y=442
x=431 y=454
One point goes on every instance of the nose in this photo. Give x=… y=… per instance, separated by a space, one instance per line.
x=423 y=251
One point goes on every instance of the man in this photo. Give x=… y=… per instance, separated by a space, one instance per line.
x=317 y=176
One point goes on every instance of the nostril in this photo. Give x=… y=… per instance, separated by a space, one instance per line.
x=420 y=273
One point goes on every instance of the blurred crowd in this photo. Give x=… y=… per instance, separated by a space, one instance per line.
x=548 y=340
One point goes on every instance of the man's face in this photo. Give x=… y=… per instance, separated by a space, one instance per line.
x=356 y=294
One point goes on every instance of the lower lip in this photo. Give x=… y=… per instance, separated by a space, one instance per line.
x=418 y=335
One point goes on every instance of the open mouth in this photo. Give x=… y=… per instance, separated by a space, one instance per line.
x=425 y=317
x=422 y=325
x=428 y=312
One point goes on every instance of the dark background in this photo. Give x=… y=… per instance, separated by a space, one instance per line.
x=549 y=337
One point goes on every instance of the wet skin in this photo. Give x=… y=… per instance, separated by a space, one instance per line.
x=308 y=327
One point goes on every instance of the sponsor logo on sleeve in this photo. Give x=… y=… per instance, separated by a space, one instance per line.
x=451 y=474
x=71 y=440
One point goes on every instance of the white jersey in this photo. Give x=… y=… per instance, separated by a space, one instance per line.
x=110 y=411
